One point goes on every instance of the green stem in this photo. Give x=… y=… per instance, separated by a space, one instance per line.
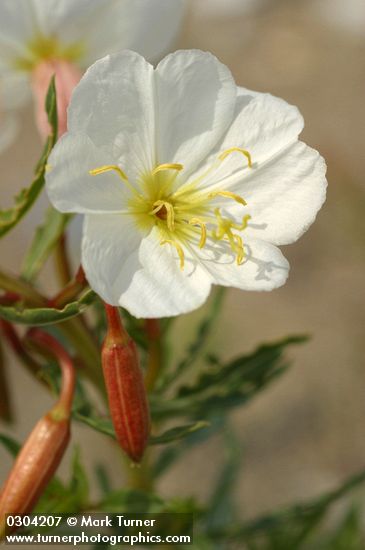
x=9 y=283
x=70 y=291
x=154 y=362
x=6 y=409
x=63 y=267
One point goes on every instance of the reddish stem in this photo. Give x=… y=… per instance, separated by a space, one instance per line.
x=116 y=332
x=70 y=292
x=47 y=341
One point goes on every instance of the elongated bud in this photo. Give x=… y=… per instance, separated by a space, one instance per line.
x=43 y=450
x=125 y=387
x=67 y=76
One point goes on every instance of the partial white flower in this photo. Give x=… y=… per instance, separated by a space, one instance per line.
x=77 y=32
x=185 y=181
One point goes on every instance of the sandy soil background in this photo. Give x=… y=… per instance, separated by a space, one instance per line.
x=307 y=432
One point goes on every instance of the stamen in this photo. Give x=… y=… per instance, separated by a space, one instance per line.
x=243 y=225
x=240 y=251
x=225 y=231
x=170 y=214
x=179 y=251
x=108 y=168
x=203 y=228
x=229 y=195
x=163 y=167
x=121 y=174
x=226 y=153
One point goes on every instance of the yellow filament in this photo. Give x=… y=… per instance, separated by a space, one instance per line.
x=170 y=213
x=228 y=152
x=243 y=225
x=203 y=228
x=108 y=168
x=225 y=230
x=179 y=251
x=229 y=195
x=240 y=250
x=163 y=167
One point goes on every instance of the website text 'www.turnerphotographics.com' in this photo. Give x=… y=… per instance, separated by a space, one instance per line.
x=104 y=529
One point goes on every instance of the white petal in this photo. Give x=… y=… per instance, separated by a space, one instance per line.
x=14 y=91
x=196 y=98
x=145 y=26
x=263 y=125
x=284 y=194
x=110 y=254
x=71 y=188
x=18 y=20
x=161 y=288
x=264 y=267
x=68 y=20
x=114 y=105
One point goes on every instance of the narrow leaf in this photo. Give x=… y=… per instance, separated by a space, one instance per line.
x=44 y=241
x=6 y=409
x=79 y=485
x=46 y=316
x=178 y=433
x=102 y=425
x=26 y=198
x=203 y=332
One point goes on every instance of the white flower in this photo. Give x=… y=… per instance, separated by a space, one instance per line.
x=77 y=31
x=185 y=181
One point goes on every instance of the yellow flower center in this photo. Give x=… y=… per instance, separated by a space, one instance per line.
x=46 y=48
x=186 y=214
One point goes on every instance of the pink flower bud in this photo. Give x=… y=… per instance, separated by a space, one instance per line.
x=67 y=76
x=43 y=450
x=125 y=387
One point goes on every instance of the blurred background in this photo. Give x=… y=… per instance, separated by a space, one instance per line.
x=306 y=433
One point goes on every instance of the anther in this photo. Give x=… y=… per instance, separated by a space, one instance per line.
x=108 y=168
x=165 y=211
x=228 y=195
x=164 y=167
x=243 y=225
x=228 y=152
x=179 y=251
x=203 y=228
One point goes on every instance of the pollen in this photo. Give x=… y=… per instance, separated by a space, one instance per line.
x=183 y=213
x=179 y=250
x=228 y=152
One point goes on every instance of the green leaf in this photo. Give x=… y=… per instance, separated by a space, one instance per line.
x=102 y=425
x=103 y=479
x=178 y=433
x=10 y=217
x=79 y=485
x=44 y=241
x=221 y=507
x=349 y=535
x=105 y=426
x=6 y=408
x=172 y=453
x=132 y=501
x=287 y=529
x=12 y=446
x=223 y=387
x=202 y=334
x=46 y=315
